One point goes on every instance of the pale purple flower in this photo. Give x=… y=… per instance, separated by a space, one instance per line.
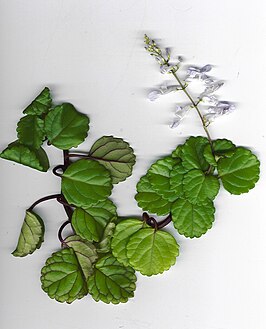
x=222 y=108
x=194 y=72
x=163 y=90
x=210 y=89
x=180 y=113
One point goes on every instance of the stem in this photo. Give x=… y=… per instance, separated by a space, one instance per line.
x=195 y=105
x=153 y=223
x=61 y=230
x=49 y=197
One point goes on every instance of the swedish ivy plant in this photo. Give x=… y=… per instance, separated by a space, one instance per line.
x=101 y=256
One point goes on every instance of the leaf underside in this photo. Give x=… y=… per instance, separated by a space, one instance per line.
x=41 y=104
x=116 y=155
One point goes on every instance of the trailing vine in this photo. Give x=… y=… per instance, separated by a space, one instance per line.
x=101 y=256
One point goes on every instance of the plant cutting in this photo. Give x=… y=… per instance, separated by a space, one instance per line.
x=102 y=254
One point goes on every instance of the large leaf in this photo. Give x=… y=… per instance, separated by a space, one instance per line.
x=104 y=245
x=116 y=155
x=240 y=172
x=192 y=153
x=41 y=104
x=85 y=251
x=199 y=187
x=85 y=225
x=151 y=251
x=85 y=183
x=192 y=220
x=159 y=177
x=31 y=131
x=62 y=277
x=31 y=235
x=65 y=127
x=123 y=232
x=112 y=282
x=149 y=200
x=27 y=156
x=176 y=180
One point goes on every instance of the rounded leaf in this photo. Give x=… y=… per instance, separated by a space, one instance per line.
x=112 y=282
x=149 y=200
x=152 y=251
x=85 y=252
x=66 y=127
x=116 y=155
x=199 y=187
x=176 y=180
x=62 y=277
x=122 y=234
x=159 y=177
x=41 y=104
x=192 y=153
x=192 y=220
x=31 y=235
x=85 y=183
x=36 y=159
x=240 y=172
x=31 y=131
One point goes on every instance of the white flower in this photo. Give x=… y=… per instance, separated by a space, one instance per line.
x=210 y=99
x=163 y=90
x=194 y=72
x=222 y=108
x=180 y=114
x=212 y=88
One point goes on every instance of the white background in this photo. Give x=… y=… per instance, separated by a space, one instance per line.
x=91 y=53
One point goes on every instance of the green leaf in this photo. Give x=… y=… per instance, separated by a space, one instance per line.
x=31 y=131
x=177 y=153
x=112 y=282
x=159 y=177
x=90 y=223
x=85 y=183
x=62 y=277
x=116 y=155
x=151 y=251
x=176 y=180
x=192 y=153
x=221 y=147
x=149 y=200
x=85 y=225
x=41 y=104
x=65 y=127
x=104 y=245
x=31 y=235
x=123 y=232
x=192 y=220
x=240 y=172
x=27 y=156
x=198 y=187
x=85 y=252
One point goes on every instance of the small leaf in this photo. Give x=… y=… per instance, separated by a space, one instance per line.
x=27 y=156
x=123 y=232
x=41 y=104
x=62 y=277
x=198 y=187
x=192 y=220
x=85 y=183
x=177 y=153
x=151 y=251
x=159 y=177
x=31 y=235
x=149 y=200
x=112 y=282
x=221 y=148
x=85 y=252
x=116 y=155
x=85 y=225
x=192 y=153
x=240 y=172
x=104 y=245
x=65 y=127
x=31 y=131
